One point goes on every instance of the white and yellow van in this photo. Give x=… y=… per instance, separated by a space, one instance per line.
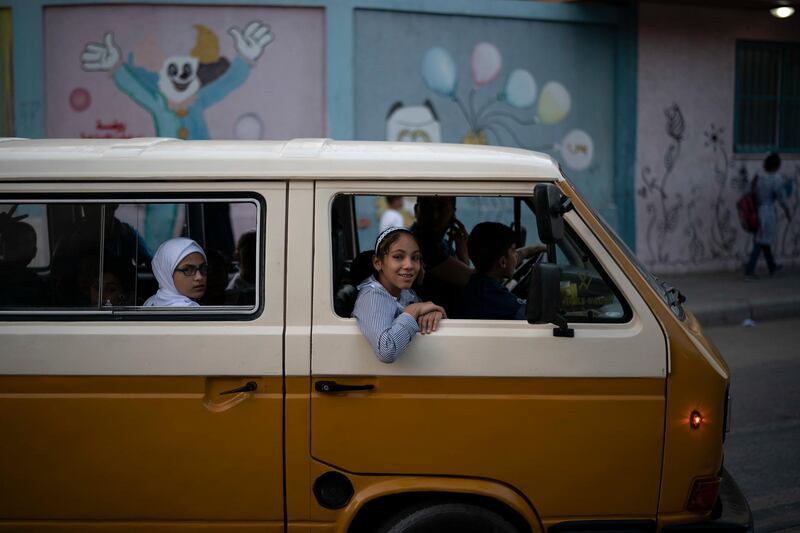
x=265 y=409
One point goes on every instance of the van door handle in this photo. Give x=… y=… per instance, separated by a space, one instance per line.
x=250 y=386
x=332 y=386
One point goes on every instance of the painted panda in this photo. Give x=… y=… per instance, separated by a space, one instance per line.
x=413 y=123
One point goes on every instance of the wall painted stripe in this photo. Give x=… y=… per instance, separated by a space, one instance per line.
x=28 y=58
x=340 y=70
x=625 y=101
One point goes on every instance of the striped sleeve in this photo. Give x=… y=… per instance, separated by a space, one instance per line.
x=387 y=332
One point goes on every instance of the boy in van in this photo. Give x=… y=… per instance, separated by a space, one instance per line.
x=493 y=251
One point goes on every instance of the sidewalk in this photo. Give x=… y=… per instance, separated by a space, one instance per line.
x=726 y=298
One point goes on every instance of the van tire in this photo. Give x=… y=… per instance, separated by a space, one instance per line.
x=461 y=517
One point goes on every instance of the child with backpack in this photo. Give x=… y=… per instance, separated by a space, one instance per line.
x=767 y=190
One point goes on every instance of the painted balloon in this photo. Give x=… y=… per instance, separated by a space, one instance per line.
x=440 y=72
x=486 y=63
x=248 y=127
x=554 y=103
x=577 y=150
x=520 y=88
x=80 y=99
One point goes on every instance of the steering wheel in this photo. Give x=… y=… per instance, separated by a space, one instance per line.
x=518 y=283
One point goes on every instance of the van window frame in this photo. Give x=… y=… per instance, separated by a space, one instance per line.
x=626 y=318
x=141 y=313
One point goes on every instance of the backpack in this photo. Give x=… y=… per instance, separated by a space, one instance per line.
x=747 y=208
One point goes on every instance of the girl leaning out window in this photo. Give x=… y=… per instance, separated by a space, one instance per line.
x=388 y=312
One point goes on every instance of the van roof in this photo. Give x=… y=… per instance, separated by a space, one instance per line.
x=159 y=158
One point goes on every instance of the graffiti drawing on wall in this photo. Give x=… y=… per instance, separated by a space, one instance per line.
x=663 y=208
x=703 y=217
x=788 y=243
x=188 y=82
x=724 y=231
x=519 y=103
x=413 y=123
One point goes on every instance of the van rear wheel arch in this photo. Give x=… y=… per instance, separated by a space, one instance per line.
x=427 y=511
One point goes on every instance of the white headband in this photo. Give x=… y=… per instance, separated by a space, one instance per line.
x=385 y=233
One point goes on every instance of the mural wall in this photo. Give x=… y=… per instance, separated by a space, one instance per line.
x=460 y=79
x=688 y=179
x=6 y=93
x=184 y=71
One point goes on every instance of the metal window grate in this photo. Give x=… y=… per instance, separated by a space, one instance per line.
x=767 y=105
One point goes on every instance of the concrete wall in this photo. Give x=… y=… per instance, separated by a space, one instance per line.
x=687 y=177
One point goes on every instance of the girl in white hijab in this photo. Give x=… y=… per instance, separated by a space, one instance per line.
x=180 y=268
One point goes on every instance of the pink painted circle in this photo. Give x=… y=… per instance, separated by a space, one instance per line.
x=79 y=99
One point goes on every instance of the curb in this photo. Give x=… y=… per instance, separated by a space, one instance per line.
x=737 y=311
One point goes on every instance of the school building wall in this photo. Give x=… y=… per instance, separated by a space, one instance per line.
x=688 y=177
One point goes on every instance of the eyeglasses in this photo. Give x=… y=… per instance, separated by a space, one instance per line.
x=191 y=270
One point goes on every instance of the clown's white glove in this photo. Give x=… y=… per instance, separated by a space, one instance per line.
x=98 y=57
x=250 y=44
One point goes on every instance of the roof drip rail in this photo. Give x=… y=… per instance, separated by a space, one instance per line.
x=305 y=148
x=134 y=147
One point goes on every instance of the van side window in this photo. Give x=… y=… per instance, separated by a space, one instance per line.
x=588 y=295
x=95 y=255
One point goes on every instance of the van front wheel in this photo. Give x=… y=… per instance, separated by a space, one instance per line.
x=461 y=517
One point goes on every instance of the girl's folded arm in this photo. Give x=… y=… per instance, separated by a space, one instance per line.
x=388 y=336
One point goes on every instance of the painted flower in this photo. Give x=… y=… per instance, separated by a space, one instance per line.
x=713 y=137
x=675 y=123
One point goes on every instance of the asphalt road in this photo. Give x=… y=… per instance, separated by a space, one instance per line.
x=762 y=451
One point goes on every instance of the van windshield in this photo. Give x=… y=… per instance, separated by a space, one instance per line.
x=671 y=295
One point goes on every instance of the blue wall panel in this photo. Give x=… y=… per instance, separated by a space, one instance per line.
x=541 y=70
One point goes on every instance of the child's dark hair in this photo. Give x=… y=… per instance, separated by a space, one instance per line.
x=388 y=237
x=120 y=267
x=17 y=244
x=772 y=162
x=247 y=247
x=488 y=242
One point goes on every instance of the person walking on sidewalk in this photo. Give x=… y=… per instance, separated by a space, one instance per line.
x=769 y=189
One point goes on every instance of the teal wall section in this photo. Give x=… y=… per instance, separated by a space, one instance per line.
x=614 y=29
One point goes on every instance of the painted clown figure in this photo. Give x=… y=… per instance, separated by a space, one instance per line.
x=178 y=95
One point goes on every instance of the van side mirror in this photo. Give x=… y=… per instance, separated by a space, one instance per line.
x=550 y=205
x=544 y=299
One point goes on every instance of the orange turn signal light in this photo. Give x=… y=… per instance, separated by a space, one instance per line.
x=695 y=419
x=704 y=495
